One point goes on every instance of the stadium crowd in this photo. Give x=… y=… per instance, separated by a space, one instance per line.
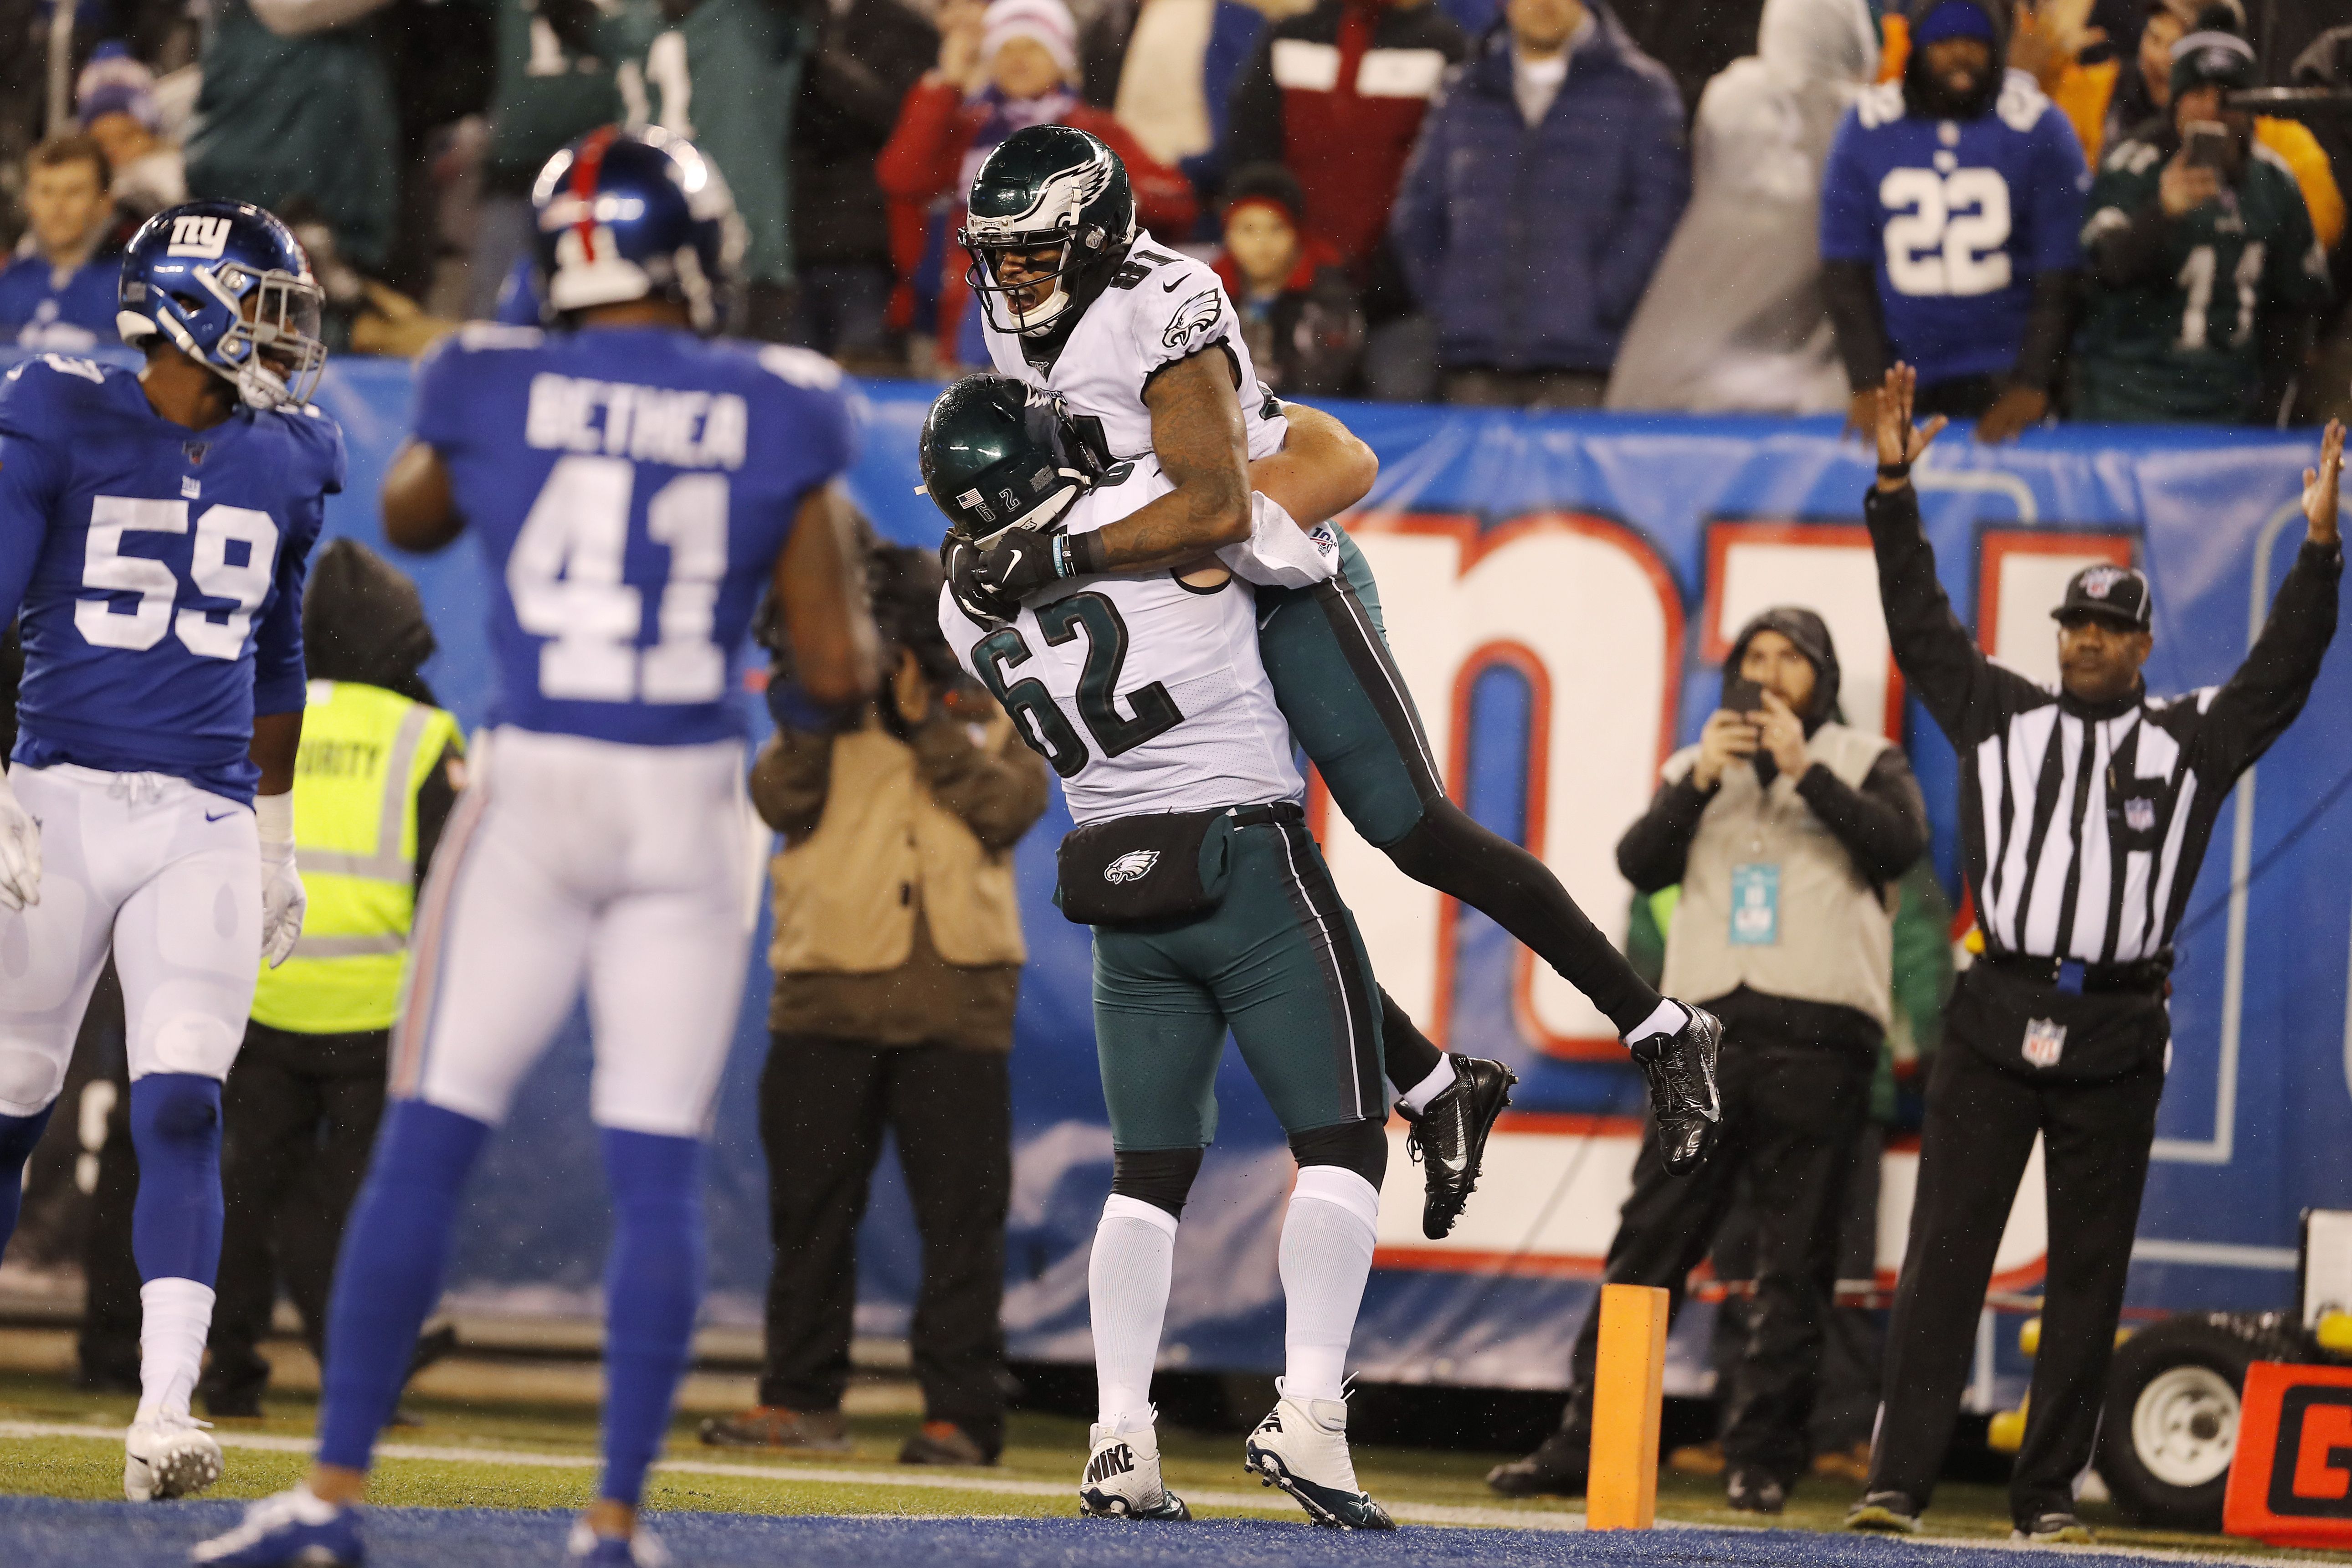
x=2052 y=207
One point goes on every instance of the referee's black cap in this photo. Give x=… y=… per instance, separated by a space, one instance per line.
x=2117 y=594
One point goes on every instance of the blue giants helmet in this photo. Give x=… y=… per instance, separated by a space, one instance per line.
x=634 y=214
x=227 y=284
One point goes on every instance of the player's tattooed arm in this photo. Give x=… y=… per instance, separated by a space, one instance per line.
x=419 y=511
x=820 y=585
x=1321 y=470
x=1198 y=435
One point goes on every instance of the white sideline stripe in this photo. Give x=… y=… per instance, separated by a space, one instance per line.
x=1274 y=1502
x=1266 y=1501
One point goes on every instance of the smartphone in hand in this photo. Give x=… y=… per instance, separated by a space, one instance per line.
x=1742 y=696
x=2207 y=145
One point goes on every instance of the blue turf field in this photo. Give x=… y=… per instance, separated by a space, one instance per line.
x=39 y=1533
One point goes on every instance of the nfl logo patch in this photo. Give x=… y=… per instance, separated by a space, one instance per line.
x=2100 y=581
x=2139 y=814
x=2044 y=1042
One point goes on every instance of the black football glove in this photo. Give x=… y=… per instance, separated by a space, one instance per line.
x=960 y=563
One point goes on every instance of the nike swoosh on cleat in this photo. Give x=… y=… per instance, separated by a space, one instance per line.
x=1458 y=1167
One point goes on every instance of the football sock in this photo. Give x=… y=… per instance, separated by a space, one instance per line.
x=1664 y=1024
x=652 y=1287
x=174 y=1316
x=18 y=1134
x=176 y=1221
x=1449 y=851
x=1440 y=1078
x=1326 y=1257
x=1126 y=1291
x=395 y=1252
x=1406 y=1055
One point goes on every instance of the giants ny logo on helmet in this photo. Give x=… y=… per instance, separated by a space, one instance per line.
x=198 y=234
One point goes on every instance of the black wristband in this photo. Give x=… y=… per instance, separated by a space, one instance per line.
x=1894 y=471
x=1085 y=554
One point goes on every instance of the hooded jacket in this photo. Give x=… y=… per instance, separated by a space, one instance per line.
x=1532 y=245
x=364 y=620
x=1736 y=319
x=1826 y=844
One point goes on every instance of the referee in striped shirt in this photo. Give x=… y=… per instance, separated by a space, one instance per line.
x=2086 y=813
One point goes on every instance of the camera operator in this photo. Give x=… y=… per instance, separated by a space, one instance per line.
x=897 y=955
x=1785 y=828
x=2087 y=810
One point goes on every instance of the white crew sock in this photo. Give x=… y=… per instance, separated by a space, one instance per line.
x=1127 y=1294
x=1326 y=1255
x=175 y=1317
x=1440 y=1078
x=1667 y=1018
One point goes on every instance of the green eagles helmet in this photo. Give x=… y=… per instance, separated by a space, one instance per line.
x=999 y=454
x=1047 y=188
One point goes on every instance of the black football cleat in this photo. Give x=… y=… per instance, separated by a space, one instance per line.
x=1683 y=1096
x=1449 y=1139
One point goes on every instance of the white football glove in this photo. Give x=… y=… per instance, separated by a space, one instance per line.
x=20 y=852
x=282 y=898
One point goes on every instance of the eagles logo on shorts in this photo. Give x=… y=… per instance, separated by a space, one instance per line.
x=1194 y=317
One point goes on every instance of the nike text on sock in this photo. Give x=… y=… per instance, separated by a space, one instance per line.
x=1440 y=1078
x=1326 y=1256
x=175 y=1317
x=1127 y=1278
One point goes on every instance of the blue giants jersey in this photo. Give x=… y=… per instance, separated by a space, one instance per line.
x=159 y=570
x=631 y=488
x=1959 y=216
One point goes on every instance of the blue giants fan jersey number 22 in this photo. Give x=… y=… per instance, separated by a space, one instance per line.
x=630 y=488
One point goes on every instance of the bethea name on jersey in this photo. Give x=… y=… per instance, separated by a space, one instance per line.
x=645 y=424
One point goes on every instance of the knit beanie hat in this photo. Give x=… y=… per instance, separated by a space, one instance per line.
x=2214 y=54
x=114 y=83
x=1046 y=22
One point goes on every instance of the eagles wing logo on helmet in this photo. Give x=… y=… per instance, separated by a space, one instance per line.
x=1132 y=867
x=1193 y=317
x=1060 y=200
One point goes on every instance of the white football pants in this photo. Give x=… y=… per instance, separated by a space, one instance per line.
x=571 y=862
x=167 y=873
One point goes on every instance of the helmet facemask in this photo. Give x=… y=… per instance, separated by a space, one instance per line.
x=1035 y=269
x=271 y=350
x=1022 y=292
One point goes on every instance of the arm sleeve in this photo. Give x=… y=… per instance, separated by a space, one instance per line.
x=1660 y=191
x=29 y=480
x=998 y=791
x=1883 y=825
x=435 y=798
x=279 y=684
x=2269 y=689
x=1852 y=290
x=1849 y=206
x=1656 y=848
x=791 y=780
x=1967 y=694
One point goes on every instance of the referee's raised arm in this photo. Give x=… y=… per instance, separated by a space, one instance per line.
x=1967 y=694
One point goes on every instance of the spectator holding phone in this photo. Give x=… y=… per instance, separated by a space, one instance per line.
x=1785 y=829
x=2205 y=276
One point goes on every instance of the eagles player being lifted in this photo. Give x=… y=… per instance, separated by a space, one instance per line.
x=1142 y=345
x=1211 y=908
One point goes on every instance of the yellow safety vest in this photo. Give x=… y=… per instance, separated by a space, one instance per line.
x=365 y=754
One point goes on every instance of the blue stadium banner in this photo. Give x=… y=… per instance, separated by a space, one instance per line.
x=1560 y=591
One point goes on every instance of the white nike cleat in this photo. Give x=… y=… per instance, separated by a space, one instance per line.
x=1122 y=1478
x=168 y=1457
x=1303 y=1449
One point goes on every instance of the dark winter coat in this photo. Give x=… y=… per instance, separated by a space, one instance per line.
x=867 y=59
x=1531 y=246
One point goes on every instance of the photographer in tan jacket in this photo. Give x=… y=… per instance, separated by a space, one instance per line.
x=898 y=957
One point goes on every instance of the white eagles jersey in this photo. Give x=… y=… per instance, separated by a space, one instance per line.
x=1144 y=692
x=1160 y=306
